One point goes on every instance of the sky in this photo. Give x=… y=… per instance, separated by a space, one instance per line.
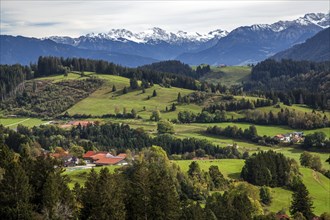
x=42 y=18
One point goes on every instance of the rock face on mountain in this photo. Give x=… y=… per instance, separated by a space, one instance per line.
x=243 y=45
x=254 y=43
x=316 y=48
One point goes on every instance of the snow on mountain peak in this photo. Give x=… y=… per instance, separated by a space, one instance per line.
x=156 y=34
x=320 y=19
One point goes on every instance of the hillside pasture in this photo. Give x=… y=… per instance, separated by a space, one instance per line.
x=104 y=101
x=229 y=75
x=29 y=122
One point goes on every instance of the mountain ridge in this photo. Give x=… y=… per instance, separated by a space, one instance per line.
x=243 y=45
x=316 y=48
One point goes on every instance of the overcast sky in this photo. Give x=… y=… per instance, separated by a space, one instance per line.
x=75 y=18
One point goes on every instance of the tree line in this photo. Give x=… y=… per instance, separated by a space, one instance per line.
x=237 y=105
x=177 y=67
x=293 y=119
x=52 y=65
x=250 y=134
x=107 y=137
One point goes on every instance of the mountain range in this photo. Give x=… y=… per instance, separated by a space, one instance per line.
x=243 y=45
x=316 y=48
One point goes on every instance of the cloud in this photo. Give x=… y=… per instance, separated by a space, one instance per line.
x=74 y=18
x=44 y=24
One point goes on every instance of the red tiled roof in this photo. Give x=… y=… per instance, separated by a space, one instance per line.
x=122 y=155
x=89 y=154
x=98 y=156
x=108 y=161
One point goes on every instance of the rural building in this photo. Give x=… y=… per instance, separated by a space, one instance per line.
x=294 y=137
x=104 y=158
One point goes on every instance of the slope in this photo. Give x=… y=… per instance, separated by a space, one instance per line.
x=25 y=50
x=316 y=48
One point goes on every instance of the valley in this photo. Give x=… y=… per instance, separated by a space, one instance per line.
x=106 y=101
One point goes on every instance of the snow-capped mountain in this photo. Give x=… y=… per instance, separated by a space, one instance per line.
x=250 y=44
x=152 y=35
x=247 y=44
x=155 y=42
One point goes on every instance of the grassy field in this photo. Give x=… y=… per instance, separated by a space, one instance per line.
x=70 y=76
x=13 y=122
x=104 y=101
x=230 y=168
x=229 y=75
x=319 y=189
x=80 y=176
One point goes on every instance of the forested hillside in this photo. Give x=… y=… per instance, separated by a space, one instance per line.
x=316 y=48
x=296 y=81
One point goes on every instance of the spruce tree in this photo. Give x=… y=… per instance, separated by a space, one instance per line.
x=89 y=195
x=173 y=108
x=301 y=201
x=15 y=193
x=154 y=94
x=134 y=83
x=179 y=98
x=218 y=180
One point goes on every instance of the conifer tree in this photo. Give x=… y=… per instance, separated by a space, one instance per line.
x=89 y=195
x=15 y=193
x=179 y=98
x=217 y=178
x=173 y=108
x=154 y=94
x=134 y=83
x=301 y=201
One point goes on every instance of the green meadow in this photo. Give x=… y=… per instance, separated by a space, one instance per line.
x=13 y=122
x=229 y=75
x=104 y=101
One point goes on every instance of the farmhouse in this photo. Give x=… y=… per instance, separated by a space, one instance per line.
x=294 y=137
x=104 y=158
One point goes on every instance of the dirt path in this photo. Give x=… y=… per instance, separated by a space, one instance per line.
x=18 y=122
